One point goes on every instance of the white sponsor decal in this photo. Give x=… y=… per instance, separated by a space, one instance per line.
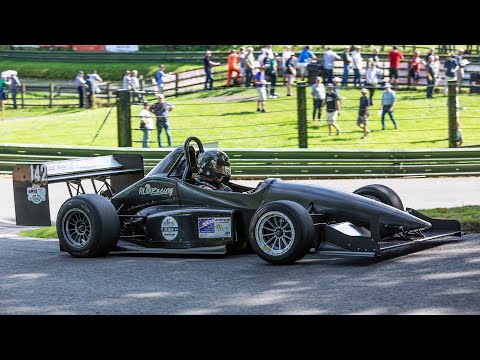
x=213 y=228
x=154 y=191
x=36 y=194
x=169 y=228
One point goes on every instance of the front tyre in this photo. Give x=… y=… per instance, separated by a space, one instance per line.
x=381 y=193
x=88 y=226
x=281 y=232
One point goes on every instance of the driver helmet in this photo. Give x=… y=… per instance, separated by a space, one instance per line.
x=214 y=166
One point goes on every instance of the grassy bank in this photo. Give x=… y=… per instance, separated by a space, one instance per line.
x=469 y=217
x=108 y=71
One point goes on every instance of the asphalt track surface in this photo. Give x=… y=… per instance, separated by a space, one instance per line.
x=442 y=278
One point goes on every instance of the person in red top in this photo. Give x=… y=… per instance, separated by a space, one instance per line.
x=414 y=71
x=395 y=57
x=233 y=66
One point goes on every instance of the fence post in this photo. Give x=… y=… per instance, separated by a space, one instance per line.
x=302 y=114
x=50 y=95
x=108 y=92
x=142 y=88
x=123 y=118
x=93 y=95
x=409 y=82
x=24 y=89
x=452 y=113
x=176 y=84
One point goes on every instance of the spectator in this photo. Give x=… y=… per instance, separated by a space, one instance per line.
x=437 y=69
x=371 y=79
x=242 y=59
x=395 y=56
x=136 y=87
x=430 y=69
x=318 y=94
x=94 y=80
x=266 y=50
x=233 y=67
x=461 y=64
x=287 y=54
x=260 y=84
x=271 y=71
x=414 y=71
x=161 y=110
x=375 y=56
x=347 y=59
x=329 y=58
x=388 y=104
x=81 y=84
x=357 y=65
x=146 y=124
x=3 y=91
x=333 y=109
x=459 y=134
x=15 y=84
x=249 y=66
x=127 y=80
x=304 y=59
x=208 y=64
x=336 y=86
x=451 y=68
x=431 y=52
x=291 y=73
x=160 y=78
x=364 y=112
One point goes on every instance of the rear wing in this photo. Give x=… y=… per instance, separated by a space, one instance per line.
x=30 y=182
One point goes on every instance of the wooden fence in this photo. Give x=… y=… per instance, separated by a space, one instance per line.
x=193 y=80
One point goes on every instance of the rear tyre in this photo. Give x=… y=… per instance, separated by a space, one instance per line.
x=281 y=232
x=88 y=226
x=382 y=194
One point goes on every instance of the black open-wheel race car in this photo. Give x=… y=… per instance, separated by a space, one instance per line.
x=166 y=212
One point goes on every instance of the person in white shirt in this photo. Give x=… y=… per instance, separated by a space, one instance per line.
x=127 y=80
x=357 y=66
x=94 y=79
x=436 y=66
x=266 y=50
x=146 y=123
x=318 y=94
x=329 y=58
x=135 y=84
x=287 y=54
x=371 y=79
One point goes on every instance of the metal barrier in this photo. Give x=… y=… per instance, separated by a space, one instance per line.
x=298 y=163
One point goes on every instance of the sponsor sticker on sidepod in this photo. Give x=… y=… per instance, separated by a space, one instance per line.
x=217 y=227
x=169 y=228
